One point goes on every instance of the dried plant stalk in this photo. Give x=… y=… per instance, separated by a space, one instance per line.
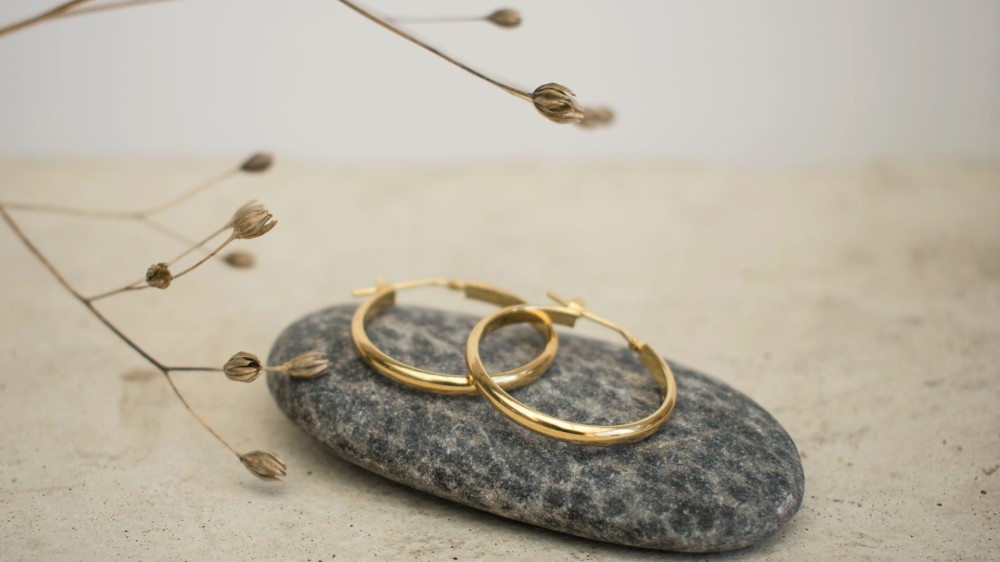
x=554 y=101
x=504 y=17
x=48 y=14
x=575 y=115
x=109 y=7
x=256 y=163
x=409 y=37
x=250 y=221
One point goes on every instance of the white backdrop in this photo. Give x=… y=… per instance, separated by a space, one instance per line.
x=769 y=82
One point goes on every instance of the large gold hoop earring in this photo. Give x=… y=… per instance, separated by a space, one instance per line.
x=383 y=295
x=584 y=434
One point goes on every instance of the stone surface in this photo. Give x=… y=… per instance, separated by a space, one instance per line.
x=721 y=474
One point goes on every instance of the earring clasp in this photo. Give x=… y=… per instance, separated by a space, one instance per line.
x=577 y=307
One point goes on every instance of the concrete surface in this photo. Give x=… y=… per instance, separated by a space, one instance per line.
x=860 y=306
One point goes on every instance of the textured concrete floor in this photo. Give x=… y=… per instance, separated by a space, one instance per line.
x=860 y=306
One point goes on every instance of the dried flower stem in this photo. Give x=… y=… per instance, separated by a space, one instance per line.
x=444 y=19
x=385 y=24
x=278 y=369
x=201 y=244
x=167 y=231
x=114 y=329
x=504 y=17
x=210 y=255
x=128 y=215
x=54 y=12
x=140 y=284
x=144 y=217
x=108 y=7
x=507 y=18
x=63 y=210
x=101 y=214
x=62 y=280
x=212 y=182
x=131 y=287
x=177 y=392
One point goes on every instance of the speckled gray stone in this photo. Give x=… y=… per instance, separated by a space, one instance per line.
x=721 y=474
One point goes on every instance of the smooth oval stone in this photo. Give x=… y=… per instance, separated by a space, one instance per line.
x=721 y=474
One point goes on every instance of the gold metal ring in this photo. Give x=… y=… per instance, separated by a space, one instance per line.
x=384 y=296
x=566 y=314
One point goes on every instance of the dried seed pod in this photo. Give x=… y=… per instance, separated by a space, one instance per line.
x=594 y=117
x=257 y=163
x=307 y=365
x=557 y=103
x=158 y=276
x=243 y=367
x=240 y=259
x=505 y=17
x=252 y=220
x=264 y=465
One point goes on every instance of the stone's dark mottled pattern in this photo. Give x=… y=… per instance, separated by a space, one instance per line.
x=721 y=474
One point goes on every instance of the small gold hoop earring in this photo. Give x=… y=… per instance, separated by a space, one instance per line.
x=384 y=296
x=566 y=314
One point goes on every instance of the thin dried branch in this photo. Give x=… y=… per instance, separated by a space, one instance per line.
x=180 y=396
x=210 y=255
x=409 y=37
x=201 y=244
x=108 y=7
x=256 y=163
x=261 y=467
x=505 y=17
x=569 y=111
x=144 y=282
x=250 y=221
x=48 y=14
x=194 y=369
x=62 y=281
x=159 y=208
x=171 y=233
x=135 y=286
x=75 y=211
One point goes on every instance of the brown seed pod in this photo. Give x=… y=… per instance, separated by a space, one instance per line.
x=240 y=259
x=243 y=367
x=594 y=117
x=505 y=17
x=557 y=103
x=307 y=365
x=264 y=465
x=252 y=220
x=257 y=163
x=158 y=276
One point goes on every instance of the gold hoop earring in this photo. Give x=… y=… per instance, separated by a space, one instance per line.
x=384 y=296
x=584 y=434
